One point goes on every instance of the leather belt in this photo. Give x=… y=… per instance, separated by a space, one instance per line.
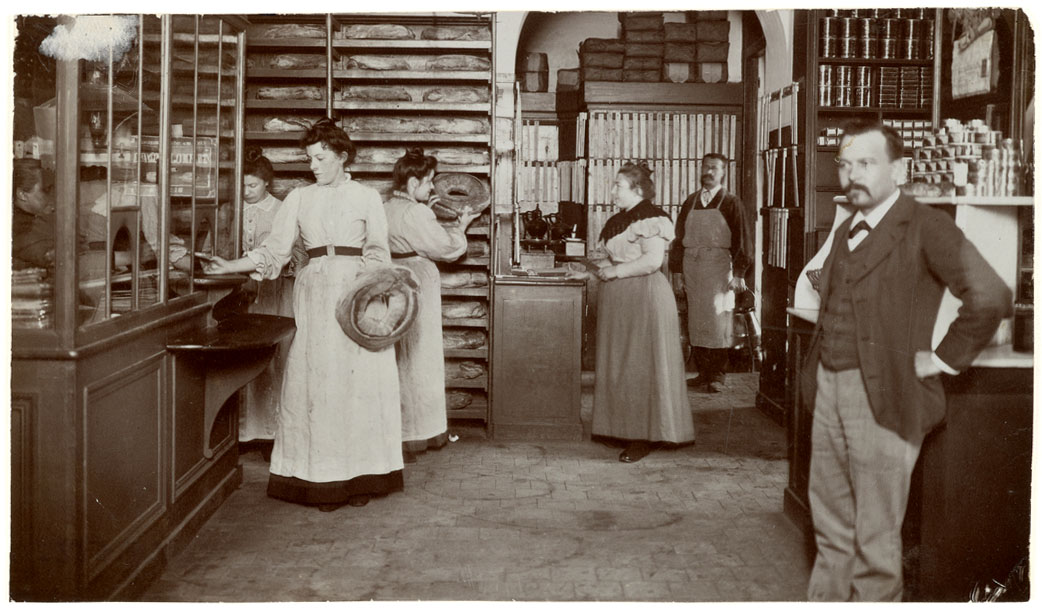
x=403 y=254
x=332 y=250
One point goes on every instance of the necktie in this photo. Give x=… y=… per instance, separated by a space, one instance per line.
x=705 y=198
x=861 y=226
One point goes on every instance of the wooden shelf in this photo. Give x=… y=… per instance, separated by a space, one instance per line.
x=382 y=168
x=296 y=43
x=872 y=109
x=479 y=261
x=309 y=73
x=425 y=75
x=477 y=409
x=476 y=383
x=467 y=322
x=293 y=136
x=480 y=353
x=877 y=61
x=432 y=45
x=412 y=106
x=478 y=291
x=365 y=136
x=286 y=104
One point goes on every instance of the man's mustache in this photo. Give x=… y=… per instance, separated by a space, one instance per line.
x=852 y=187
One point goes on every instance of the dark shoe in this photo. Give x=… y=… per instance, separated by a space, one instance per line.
x=360 y=500
x=328 y=508
x=696 y=381
x=635 y=452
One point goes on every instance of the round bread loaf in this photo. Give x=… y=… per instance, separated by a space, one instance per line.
x=380 y=307
x=459 y=194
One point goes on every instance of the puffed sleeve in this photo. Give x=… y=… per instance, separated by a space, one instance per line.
x=659 y=226
x=375 y=250
x=429 y=238
x=275 y=251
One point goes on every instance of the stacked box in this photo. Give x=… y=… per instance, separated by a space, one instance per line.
x=568 y=79
x=713 y=31
x=641 y=76
x=681 y=32
x=711 y=51
x=601 y=59
x=680 y=52
x=656 y=36
x=909 y=91
x=535 y=73
x=696 y=16
x=642 y=63
x=640 y=22
x=643 y=49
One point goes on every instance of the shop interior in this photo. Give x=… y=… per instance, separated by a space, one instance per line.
x=127 y=372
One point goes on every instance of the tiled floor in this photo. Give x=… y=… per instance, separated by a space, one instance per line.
x=525 y=520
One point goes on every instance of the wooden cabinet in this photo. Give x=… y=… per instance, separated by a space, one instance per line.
x=112 y=465
x=538 y=350
x=392 y=81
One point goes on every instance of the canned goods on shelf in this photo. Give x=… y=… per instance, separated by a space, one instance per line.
x=867 y=47
x=843 y=76
x=863 y=76
x=841 y=96
x=889 y=28
x=829 y=47
x=910 y=48
x=847 y=47
x=862 y=97
x=888 y=48
x=867 y=28
x=830 y=26
x=847 y=27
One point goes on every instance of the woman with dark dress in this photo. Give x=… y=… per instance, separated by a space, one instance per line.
x=640 y=395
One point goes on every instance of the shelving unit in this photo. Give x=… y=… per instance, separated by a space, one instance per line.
x=387 y=56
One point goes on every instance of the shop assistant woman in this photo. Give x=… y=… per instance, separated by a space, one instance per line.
x=416 y=239
x=640 y=395
x=339 y=428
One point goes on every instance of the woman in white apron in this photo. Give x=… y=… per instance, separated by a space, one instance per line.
x=417 y=239
x=339 y=437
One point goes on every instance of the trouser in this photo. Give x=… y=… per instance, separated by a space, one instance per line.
x=860 y=475
x=711 y=362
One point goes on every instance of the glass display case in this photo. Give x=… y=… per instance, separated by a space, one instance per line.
x=151 y=116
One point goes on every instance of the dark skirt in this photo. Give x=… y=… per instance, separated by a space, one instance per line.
x=292 y=489
x=640 y=391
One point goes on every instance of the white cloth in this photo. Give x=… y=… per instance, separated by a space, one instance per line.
x=340 y=415
x=412 y=227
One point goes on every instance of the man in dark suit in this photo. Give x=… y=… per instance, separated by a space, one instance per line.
x=712 y=250
x=871 y=368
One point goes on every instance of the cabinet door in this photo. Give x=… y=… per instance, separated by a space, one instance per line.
x=537 y=345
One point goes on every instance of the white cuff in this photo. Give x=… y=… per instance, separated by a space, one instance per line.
x=941 y=365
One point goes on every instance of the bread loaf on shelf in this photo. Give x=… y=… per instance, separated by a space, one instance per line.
x=463 y=279
x=286 y=123
x=477 y=249
x=644 y=36
x=414 y=125
x=459 y=310
x=280 y=187
x=286 y=92
x=462 y=338
x=713 y=31
x=463 y=369
x=377 y=62
x=289 y=30
x=445 y=156
x=457 y=95
x=376 y=93
x=285 y=154
x=601 y=45
x=456 y=33
x=378 y=31
x=458 y=399
x=458 y=63
x=602 y=60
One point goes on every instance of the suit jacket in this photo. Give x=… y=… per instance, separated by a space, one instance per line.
x=741 y=231
x=912 y=255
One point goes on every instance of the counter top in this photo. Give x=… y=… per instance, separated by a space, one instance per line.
x=993 y=356
x=242 y=332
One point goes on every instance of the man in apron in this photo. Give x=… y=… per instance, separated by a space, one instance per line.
x=712 y=250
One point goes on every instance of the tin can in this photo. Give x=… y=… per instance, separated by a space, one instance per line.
x=867 y=28
x=890 y=28
x=843 y=76
x=862 y=97
x=847 y=27
x=841 y=96
x=829 y=47
x=927 y=48
x=825 y=85
x=910 y=48
x=830 y=26
x=866 y=47
x=887 y=48
x=863 y=76
x=847 y=47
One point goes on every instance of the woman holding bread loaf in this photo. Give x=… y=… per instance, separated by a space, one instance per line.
x=417 y=239
x=339 y=428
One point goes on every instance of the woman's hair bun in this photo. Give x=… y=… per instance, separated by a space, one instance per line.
x=326 y=122
x=414 y=153
x=253 y=153
x=643 y=165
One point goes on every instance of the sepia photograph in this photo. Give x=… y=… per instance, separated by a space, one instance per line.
x=548 y=303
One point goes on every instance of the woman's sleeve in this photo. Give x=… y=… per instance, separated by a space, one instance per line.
x=429 y=238
x=275 y=251
x=375 y=250
x=659 y=226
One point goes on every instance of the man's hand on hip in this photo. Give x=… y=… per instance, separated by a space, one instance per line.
x=925 y=366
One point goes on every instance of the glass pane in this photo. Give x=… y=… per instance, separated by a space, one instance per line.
x=33 y=225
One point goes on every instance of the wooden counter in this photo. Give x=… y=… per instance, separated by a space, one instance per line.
x=537 y=350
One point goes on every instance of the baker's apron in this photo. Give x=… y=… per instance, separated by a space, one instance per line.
x=707 y=273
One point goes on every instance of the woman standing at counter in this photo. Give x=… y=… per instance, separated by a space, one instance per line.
x=258 y=418
x=640 y=394
x=339 y=428
x=417 y=239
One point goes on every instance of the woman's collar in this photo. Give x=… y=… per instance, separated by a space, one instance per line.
x=404 y=195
